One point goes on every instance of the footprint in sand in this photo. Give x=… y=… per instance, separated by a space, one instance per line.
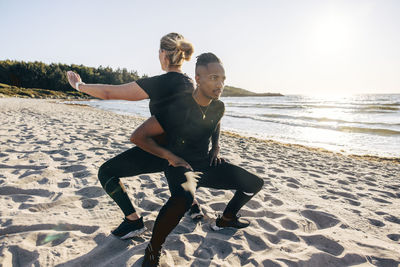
x=343 y=194
x=267 y=226
x=352 y=202
x=63 y=153
x=376 y=223
x=381 y=200
x=289 y=224
x=90 y=192
x=274 y=201
x=270 y=263
x=273 y=215
x=393 y=187
x=43 y=181
x=259 y=169
x=20 y=257
x=89 y=203
x=9 y=190
x=314 y=175
x=147 y=204
x=320 y=182
x=322 y=243
x=73 y=168
x=328 y=197
x=156 y=191
x=14 y=229
x=27 y=173
x=6 y=223
x=384 y=194
x=311 y=207
x=63 y=184
x=277 y=170
x=291 y=180
x=392 y=219
x=218 y=206
x=342 y=182
x=273 y=239
x=253 y=204
x=21 y=198
x=355 y=211
x=286 y=235
x=255 y=242
x=370 y=179
x=352 y=179
x=394 y=237
x=292 y=185
x=321 y=219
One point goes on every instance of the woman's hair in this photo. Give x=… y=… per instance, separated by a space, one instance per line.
x=177 y=48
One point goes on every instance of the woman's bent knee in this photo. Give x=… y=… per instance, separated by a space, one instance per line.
x=258 y=184
x=103 y=174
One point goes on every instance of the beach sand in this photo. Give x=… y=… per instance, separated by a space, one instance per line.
x=316 y=208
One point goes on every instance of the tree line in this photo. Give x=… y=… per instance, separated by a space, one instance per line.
x=40 y=75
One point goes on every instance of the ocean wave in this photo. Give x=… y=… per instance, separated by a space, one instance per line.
x=368 y=130
x=348 y=129
x=380 y=107
x=354 y=108
x=325 y=119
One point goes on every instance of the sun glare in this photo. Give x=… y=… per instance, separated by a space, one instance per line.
x=332 y=34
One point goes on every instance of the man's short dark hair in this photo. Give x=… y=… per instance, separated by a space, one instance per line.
x=206 y=58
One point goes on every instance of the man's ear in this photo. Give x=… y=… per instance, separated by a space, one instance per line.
x=197 y=78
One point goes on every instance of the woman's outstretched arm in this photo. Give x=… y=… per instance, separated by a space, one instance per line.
x=128 y=91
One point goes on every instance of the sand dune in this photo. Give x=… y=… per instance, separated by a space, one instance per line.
x=316 y=208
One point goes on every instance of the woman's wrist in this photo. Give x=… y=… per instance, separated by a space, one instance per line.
x=77 y=85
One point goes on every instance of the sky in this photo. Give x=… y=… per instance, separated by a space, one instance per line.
x=291 y=47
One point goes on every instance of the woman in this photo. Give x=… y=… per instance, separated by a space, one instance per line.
x=161 y=90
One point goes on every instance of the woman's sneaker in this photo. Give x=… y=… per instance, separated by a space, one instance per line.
x=128 y=229
x=195 y=212
x=151 y=257
x=235 y=222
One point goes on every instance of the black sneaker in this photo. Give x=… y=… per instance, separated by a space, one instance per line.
x=236 y=222
x=128 y=229
x=151 y=257
x=195 y=212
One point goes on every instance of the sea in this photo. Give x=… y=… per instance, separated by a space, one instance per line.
x=366 y=124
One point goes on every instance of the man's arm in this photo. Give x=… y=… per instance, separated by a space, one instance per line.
x=143 y=138
x=215 y=137
x=214 y=152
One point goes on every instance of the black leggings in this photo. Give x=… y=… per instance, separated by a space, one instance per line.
x=223 y=176
x=132 y=162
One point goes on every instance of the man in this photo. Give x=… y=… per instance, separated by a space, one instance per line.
x=189 y=124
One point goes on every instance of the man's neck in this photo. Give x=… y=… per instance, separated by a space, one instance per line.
x=201 y=99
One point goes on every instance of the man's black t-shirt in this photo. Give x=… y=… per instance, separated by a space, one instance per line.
x=163 y=89
x=188 y=134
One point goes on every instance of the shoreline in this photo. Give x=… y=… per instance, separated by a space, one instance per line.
x=316 y=208
x=395 y=160
x=315 y=149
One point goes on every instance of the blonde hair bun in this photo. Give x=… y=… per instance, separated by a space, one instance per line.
x=177 y=47
x=186 y=47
